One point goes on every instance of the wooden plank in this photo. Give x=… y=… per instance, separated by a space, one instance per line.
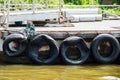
x=83 y=29
x=106 y=25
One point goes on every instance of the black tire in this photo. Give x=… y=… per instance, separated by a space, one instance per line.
x=113 y=51
x=80 y=46
x=21 y=41
x=38 y=42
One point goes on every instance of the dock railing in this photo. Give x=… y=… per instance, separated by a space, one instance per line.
x=35 y=5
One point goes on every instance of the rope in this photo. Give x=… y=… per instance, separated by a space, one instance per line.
x=29 y=31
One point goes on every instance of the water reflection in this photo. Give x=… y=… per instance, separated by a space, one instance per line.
x=28 y=72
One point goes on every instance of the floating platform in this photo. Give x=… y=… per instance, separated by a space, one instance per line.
x=83 y=29
x=87 y=30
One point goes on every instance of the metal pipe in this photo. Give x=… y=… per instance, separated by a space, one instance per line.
x=80 y=5
x=96 y=5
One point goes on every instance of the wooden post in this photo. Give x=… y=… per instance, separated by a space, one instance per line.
x=8 y=13
x=46 y=4
x=15 y=5
x=59 y=18
x=33 y=6
x=4 y=5
x=92 y=3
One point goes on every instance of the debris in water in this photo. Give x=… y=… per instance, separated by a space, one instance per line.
x=110 y=78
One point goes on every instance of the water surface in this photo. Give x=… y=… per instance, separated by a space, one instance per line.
x=59 y=72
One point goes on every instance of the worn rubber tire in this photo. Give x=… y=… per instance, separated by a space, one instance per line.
x=115 y=48
x=37 y=42
x=81 y=45
x=23 y=44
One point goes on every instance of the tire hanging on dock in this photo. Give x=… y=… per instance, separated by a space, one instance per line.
x=74 y=50
x=105 y=48
x=46 y=56
x=14 y=45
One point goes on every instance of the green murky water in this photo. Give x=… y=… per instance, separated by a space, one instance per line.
x=60 y=72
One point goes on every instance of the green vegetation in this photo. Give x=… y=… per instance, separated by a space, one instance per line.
x=31 y=1
x=80 y=2
x=73 y=2
x=107 y=10
x=112 y=11
x=88 y=2
x=69 y=4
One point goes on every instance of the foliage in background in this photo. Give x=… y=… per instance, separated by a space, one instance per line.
x=1 y=1
x=30 y=1
x=87 y=2
x=73 y=2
